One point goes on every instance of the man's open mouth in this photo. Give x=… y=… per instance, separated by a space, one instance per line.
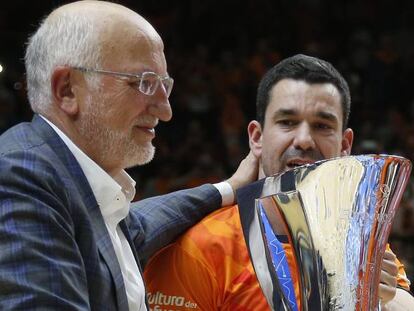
x=298 y=162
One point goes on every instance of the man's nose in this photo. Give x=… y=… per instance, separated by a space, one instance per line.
x=303 y=138
x=160 y=105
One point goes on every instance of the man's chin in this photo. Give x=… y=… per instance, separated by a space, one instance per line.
x=141 y=156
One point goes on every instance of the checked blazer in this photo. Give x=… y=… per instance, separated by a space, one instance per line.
x=55 y=251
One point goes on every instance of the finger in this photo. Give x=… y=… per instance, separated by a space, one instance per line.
x=390 y=267
x=389 y=255
x=386 y=293
x=251 y=157
x=246 y=173
x=388 y=279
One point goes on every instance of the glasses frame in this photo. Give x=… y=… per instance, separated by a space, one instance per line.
x=161 y=80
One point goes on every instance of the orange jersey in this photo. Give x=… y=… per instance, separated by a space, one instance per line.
x=209 y=269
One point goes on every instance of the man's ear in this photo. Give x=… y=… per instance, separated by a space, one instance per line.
x=254 y=130
x=62 y=90
x=347 y=139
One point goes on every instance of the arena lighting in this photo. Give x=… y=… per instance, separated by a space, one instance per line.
x=1 y=68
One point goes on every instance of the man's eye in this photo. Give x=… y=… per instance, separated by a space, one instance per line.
x=146 y=83
x=287 y=122
x=133 y=83
x=323 y=126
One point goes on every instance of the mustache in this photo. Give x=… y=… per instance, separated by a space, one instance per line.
x=146 y=120
x=310 y=154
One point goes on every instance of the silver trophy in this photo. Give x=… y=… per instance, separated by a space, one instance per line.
x=320 y=231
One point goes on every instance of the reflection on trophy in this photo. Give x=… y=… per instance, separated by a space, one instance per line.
x=318 y=233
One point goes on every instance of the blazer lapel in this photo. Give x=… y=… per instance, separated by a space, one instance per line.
x=246 y=200
x=108 y=253
x=102 y=237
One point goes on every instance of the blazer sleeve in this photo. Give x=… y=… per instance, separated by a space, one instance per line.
x=157 y=221
x=40 y=264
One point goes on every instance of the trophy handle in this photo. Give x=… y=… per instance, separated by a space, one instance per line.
x=285 y=210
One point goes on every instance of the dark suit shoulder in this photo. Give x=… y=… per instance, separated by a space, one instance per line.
x=20 y=137
x=36 y=163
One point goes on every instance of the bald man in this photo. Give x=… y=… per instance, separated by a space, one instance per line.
x=98 y=83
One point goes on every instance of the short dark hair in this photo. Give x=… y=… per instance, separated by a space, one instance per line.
x=305 y=68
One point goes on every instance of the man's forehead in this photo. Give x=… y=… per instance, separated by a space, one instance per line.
x=134 y=46
x=299 y=88
x=290 y=96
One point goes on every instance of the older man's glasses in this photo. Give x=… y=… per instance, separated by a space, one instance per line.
x=146 y=82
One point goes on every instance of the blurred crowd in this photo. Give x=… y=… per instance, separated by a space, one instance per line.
x=217 y=52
